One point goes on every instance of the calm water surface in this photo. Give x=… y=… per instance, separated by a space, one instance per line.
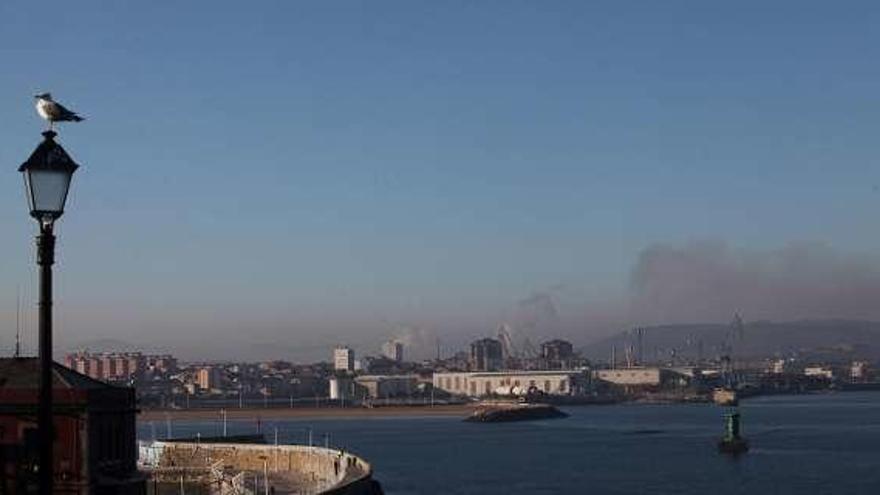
x=800 y=445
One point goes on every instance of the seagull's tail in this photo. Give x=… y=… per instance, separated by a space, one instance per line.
x=77 y=118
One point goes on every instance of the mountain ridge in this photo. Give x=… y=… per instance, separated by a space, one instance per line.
x=805 y=338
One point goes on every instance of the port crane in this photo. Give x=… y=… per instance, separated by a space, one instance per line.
x=507 y=347
x=733 y=336
x=511 y=351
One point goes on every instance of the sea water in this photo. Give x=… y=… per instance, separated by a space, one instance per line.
x=805 y=444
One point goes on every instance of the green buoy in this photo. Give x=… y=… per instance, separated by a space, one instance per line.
x=732 y=442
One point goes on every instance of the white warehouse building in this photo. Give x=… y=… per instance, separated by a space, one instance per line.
x=481 y=383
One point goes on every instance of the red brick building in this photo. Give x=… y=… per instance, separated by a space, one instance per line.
x=95 y=438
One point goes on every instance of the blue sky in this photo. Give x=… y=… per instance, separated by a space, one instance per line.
x=326 y=171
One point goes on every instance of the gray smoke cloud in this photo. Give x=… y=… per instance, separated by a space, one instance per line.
x=697 y=282
x=532 y=319
x=709 y=281
x=537 y=314
x=418 y=342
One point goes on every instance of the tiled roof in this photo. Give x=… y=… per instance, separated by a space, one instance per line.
x=24 y=373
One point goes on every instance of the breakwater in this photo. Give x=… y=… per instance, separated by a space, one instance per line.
x=248 y=469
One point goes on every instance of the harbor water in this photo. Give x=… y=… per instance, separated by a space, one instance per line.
x=807 y=444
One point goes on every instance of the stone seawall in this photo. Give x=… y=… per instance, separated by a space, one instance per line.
x=230 y=468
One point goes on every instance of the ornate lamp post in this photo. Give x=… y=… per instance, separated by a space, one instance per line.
x=47 y=174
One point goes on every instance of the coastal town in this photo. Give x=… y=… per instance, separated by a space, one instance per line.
x=432 y=248
x=491 y=367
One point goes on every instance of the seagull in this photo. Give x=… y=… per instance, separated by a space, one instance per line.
x=53 y=111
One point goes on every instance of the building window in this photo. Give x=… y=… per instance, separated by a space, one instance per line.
x=457 y=382
x=562 y=385
x=488 y=389
x=547 y=386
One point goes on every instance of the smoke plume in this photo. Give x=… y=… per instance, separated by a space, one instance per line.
x=709 y=281
x=537 y=314
x=418 y=343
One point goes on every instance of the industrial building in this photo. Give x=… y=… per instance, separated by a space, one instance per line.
x=557 y=353
x=557 y=350
x=486 y=355
x=819 y=372
x=343 y=359
x=478 y=384
x=780 y=366
x=341 y=388
x=372 y=387
x=393 y=350
x=385 y=386
x=208 y=378
x=858 y=371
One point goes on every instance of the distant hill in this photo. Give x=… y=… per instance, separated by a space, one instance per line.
x=809 y=339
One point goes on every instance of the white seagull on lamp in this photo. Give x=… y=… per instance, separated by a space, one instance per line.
x=53 y=111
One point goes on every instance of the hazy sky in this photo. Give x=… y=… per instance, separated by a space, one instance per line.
x=284 y=176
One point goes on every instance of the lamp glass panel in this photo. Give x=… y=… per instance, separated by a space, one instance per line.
x=47 y=190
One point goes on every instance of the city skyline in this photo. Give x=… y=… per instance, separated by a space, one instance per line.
x=334 y=174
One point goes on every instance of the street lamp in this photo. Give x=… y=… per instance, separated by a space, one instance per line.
x=47 y=175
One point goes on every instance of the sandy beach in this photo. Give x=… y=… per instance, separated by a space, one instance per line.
x=461 y=410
